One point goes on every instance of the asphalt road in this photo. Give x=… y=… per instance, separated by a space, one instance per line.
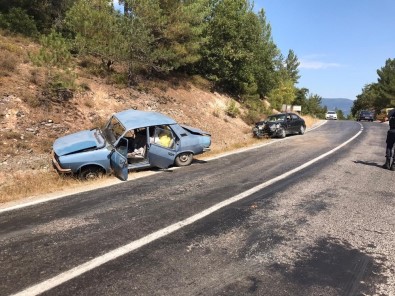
x=300 y=216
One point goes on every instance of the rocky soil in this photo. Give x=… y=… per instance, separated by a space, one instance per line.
x=31 y=117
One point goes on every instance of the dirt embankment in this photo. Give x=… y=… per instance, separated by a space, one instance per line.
x=31 y=117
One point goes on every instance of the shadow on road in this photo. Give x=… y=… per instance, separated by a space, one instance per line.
x=368 y=163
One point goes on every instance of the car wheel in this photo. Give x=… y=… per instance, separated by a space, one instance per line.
x=282 y=133
x=90 y=173
x=301 y=130
x=184 y=159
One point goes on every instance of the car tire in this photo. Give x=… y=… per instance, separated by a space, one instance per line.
x=301 y=130
x=183 y=159
x=90 y=173
x=282 y=133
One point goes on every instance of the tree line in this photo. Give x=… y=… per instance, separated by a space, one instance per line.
x=224 y=41
x=378 y=95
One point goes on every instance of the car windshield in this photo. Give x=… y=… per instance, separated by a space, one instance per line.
x=366 y=113
x=331 y=112
x=280 y=117
x=113 y=130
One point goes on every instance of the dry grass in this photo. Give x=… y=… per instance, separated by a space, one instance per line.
x=8 y=63
x=310 y=121
x=11 y=54
x=25 y=184
x=231 y=147
x=28 y=184
x=19 y=185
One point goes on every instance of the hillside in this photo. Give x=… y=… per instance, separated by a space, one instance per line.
x=31 y=117
x=338 y=103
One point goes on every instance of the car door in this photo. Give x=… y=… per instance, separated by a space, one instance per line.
x=297 y=123
x=119 y=160
x=162 y=147
x=290 y=124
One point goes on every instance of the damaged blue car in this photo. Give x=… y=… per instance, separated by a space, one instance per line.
x=131 y=140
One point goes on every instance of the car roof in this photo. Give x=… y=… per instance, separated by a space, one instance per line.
x=132 y=119
x=283 y=113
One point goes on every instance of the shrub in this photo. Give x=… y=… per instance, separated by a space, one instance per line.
x=232 y=109
x=251 y=117
x=117 y=78
x=201 y=82
x=33 y=102
x=62 y=80
x=54 y=52
x=9 y=135
x=9 y=57
x=84 y=86
x=8 y=63
x=217 y=112
x=18 y=21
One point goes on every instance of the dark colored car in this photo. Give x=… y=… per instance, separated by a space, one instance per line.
x=365 y=115
x=280 y=125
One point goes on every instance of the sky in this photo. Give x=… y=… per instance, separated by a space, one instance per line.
x=340 y=44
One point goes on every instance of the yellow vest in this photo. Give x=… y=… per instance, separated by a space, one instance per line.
x=164 y=140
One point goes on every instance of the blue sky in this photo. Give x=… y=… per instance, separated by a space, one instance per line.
x=339 y=43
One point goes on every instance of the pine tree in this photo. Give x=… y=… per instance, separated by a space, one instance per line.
x=97 y=30
x=232 y=35
x=291 y=65
x=266 y=57
x=386 y=80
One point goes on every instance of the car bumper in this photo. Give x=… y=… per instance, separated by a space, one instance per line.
x=57 y=166
x=260 y=133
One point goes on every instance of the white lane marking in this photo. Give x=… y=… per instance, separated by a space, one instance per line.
x=96 y=262
x=49 y=197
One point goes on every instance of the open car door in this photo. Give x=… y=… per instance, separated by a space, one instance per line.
x=162 y=149
x=119 y=160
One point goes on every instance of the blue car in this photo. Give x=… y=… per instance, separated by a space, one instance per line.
x=131 y=140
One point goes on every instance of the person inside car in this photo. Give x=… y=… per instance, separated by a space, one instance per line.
x=137 y=144
x=164 y=139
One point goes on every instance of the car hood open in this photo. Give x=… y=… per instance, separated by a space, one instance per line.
x=195 y=130
x=88 y=139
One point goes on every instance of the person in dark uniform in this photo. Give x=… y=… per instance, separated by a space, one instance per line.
x=389 y=153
